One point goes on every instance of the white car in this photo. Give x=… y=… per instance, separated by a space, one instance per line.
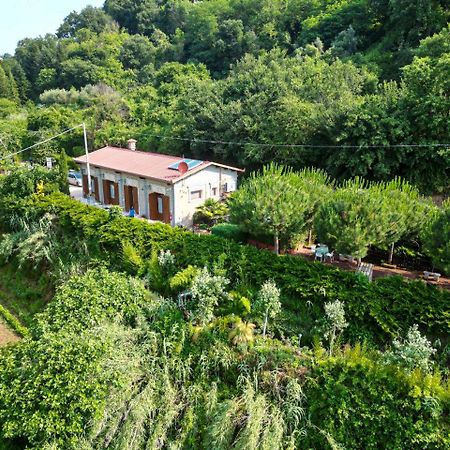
x=74 y=178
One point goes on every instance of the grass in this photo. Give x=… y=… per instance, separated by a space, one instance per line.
x=22 y=293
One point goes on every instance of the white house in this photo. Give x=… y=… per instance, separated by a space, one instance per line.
x=159 y=187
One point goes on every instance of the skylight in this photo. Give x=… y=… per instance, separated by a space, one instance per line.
x=191 y=163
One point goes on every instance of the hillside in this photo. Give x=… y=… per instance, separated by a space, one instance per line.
x=228 y=80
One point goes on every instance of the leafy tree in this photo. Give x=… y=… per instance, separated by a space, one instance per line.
x=268 y=302
x=8 y=88
x=94 y=19
x=36 y=54
x=345 y=44
x=136 y=52
x=18 y=73
x=77 y=73
x=270 y=202
x=425 y=104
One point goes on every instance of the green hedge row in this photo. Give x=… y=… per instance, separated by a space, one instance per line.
x=377 y=311
x=12 y=322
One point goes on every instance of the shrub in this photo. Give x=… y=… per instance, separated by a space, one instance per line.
x=413 y=352
x=12 y=321
x=377 y=311
x=357 y=403
x=87 y=300
x=229 y=231
x=436 y=239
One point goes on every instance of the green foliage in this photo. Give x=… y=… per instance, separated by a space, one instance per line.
x=183 y=279
x=132 y=261
x=12 y=322
x=414 y=352
x=436 y=238
x=270 y=202
x=69 y=370
x=350 y=220
x=207 y=292
x=88 y=300
x=353 y=401
x=229 y=231
x=377 y=311
x=22 y=182
x=211 y=212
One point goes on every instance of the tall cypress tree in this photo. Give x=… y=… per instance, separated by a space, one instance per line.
x=4 y=84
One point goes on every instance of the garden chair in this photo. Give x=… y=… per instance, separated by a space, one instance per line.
x=366 y=269
x=320 y=252
x=329 y=256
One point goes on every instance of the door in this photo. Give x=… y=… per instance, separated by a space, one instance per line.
x=106 y=196
x=95 y=186
x=110 y=192
x=159 y=207
x=131 y=198
x=85 y=186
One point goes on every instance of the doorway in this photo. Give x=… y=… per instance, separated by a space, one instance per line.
x=159 y=207
x=131 y=198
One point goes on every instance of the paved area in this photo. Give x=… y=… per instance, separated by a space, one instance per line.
x=76 y=192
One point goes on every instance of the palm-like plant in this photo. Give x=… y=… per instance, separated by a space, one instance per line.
x=242 y=333
x=211 y=212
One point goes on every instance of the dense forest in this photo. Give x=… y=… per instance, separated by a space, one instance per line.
x=356 y=87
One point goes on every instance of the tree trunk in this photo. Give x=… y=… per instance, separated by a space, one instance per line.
x=265 y=323
x=391 y=253
x=358 y=260
x=276 y=244
x=310 y=237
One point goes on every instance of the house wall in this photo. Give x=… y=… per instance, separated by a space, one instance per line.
x=205 y=181
x=212 y=182
x=145 y=187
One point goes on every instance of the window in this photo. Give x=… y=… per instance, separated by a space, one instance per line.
x=112 y=192
x=214 y=191
x=92 y=185
x=160 y=205
x=195 y=195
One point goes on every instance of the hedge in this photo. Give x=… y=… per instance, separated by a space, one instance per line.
x=377 y=311
x=12 y=322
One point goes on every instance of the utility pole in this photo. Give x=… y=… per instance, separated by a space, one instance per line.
x=87 y=163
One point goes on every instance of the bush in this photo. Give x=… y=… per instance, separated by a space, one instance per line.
x=229 y=231
x=378 y=311
x=437 y=239
x=13 y=323
x=88 y=300
x=358 y=403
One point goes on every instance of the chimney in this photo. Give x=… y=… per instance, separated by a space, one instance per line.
x=131 y=144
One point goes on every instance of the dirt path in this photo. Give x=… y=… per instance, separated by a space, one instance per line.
x=6 y=335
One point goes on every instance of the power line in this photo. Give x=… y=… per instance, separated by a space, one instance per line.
x=42 y=142
x=259 y=144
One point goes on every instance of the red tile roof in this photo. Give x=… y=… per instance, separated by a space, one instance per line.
x=142 y=164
